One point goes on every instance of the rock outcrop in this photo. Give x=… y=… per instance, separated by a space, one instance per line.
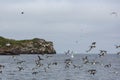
x=33 y=46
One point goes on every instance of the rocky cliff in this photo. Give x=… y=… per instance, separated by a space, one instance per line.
x=33 y=46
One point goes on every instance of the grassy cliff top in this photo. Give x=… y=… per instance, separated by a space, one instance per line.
x=5 y=41
x=29 y=46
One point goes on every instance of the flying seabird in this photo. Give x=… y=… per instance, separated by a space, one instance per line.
x=22 y=12
x=39 y=58
x=92 y=46
x=68 y=62
x=117 y=46
x=118 y=53
x=114 y=13
x=20 y=68
x=67 y=53
x=85 y=59
x=102 y=53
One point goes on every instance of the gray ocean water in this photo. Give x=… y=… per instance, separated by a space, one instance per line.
x=53 y=67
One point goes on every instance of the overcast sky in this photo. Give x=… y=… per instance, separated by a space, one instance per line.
x=70 y=24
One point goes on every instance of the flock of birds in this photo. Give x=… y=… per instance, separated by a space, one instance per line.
x=86 y=60
x=67 y=62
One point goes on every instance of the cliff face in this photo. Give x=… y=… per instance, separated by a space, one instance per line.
x=33 y=46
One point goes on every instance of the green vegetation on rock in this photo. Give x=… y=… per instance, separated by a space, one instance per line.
x=36 y=45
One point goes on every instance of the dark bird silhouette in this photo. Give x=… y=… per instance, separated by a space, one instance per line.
x=77 y=66
x=67 y=53
x=54 y=63
x=93 y=43
x=20 y=68
x=20 y=62
x=117 y=46
x=107 y=65
x=22 y=12
x=68 y=62
x=85 y=59
x=35 y=73
x=114 y=13
x=38 y=63
x=92 y=71
x=1 y=72
x=92 y=46
x=39 y=58
x=1 y=66
x=102 y=53
x=118 y=53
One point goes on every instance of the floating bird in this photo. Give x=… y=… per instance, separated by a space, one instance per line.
x=107 y=65
x=92 y=71
x=20 y=62
x=77 y=66
x=85 y=59
x=20 y=68
x=35 y=72
x=47 y=56
x=38 y=63
x=68 y=63
x=92 y=46
x=94 y=62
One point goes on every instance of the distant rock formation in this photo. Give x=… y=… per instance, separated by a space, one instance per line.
x=33 y=46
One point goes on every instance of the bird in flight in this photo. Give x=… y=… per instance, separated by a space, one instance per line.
x=22 y=12
x=102 y=53
x=92 y=46
x=117 y=46
x=114 y=13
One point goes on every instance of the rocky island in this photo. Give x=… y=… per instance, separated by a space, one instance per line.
x=33 y=46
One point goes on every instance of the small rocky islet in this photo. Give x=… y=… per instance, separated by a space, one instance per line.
x=31 y=46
